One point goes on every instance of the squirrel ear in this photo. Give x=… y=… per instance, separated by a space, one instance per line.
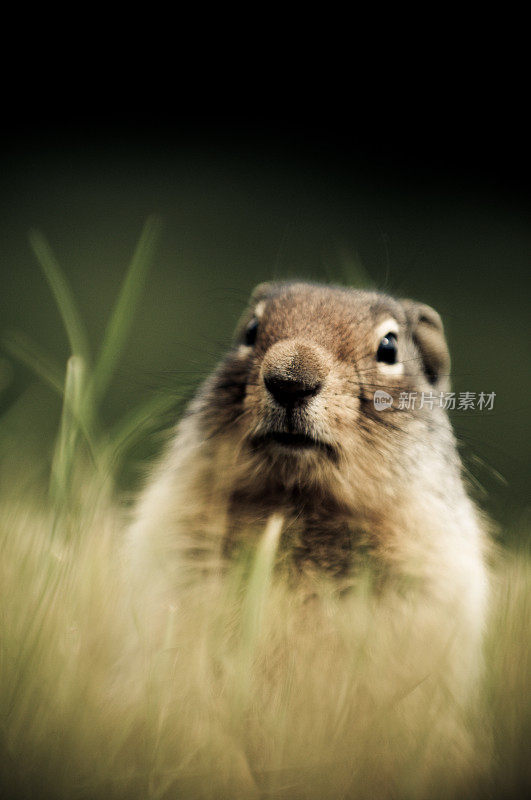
x=260 y=292
x=427 y=331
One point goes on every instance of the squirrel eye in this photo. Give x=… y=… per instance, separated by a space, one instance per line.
x=251 y=332
x=388 y=349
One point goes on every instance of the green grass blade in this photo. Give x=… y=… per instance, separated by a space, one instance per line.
x=21 y=347
x=257 y=592
x=62 y=293
x=122 y=316
x=137 y=423
x=25 y=350
x=65 y=450
x=260 y=579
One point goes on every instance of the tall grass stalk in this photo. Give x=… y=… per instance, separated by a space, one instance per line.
x=65 y=450
x=24 y=349
x=86 y=382
x=256 y=596
x=75 y=329
x=122 y=316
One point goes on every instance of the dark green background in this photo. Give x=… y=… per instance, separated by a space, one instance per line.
x=242 y=205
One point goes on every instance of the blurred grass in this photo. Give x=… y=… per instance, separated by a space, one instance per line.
x=85 y=382
x=247 y=689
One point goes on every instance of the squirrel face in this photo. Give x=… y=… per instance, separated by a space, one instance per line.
x=300 y=385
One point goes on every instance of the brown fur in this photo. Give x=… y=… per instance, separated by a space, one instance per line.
x=379 y=486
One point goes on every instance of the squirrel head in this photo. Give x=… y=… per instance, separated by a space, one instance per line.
x=304 y=383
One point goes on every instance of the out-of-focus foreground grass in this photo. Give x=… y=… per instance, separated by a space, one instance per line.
x=249 y=690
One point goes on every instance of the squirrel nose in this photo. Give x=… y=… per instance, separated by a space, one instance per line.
x=294 y=371
x=290 y=391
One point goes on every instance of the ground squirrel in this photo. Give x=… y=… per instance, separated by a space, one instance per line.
x=289 y=422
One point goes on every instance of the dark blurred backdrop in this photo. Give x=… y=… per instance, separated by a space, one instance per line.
x=437 y=210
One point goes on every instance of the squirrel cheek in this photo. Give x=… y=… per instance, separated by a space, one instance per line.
x=243 y=351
